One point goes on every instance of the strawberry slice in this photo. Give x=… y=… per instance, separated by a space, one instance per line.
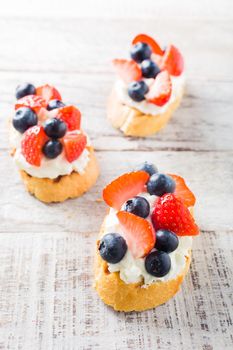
x=172 y=214
x=74 y=145
x=161 y=89
x=138 y=233
x=146 y=39
x=48 y=93
x=182 y=191
x=172 y=61
x=31 y=145
x=31 y=101
x=128 y=70
x=124 y=187
x=71 y=116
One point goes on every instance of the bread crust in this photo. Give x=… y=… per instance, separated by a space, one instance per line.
x=132 y=122
x=134 y=296
x=65 y=186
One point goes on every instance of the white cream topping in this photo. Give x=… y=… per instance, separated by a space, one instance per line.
x=133 y=270
x=145 y=107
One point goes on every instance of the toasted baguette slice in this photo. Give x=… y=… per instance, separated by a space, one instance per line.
x=132 y=122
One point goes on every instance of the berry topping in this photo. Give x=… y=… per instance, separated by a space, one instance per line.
x=48 y=93
x=55 y=128
x=182 y=191
x=24 y=118
x=124 y=187
x=160 y=184
x=138 y=233
x=138 y=206
x=148 y=168
x=170 y=213
x=24 y=90
x=140 y=52
x=32 y=142
x=158 y=263
x=127 y=70
x=112 y=248
x=137 y=90
x=52 y=149
x=53 y=104
x=31 y=101
x=146 y=39
x=74 y=145
x=149 y=69
x=172 y=61
x=71 y=116
x=161 y=89
x=166 y=240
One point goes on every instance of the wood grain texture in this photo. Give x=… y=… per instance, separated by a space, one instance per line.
x=46 y=251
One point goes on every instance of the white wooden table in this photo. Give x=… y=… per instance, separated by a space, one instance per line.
x=46 y=251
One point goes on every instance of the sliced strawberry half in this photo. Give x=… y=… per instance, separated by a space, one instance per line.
x=128 y=70
x=71 y=116
x=161 y=89
x=138 y=233
x=48 y=93
x=146 y=39
x=182 y=191
x=32 y=142
x=171 y=213
x=31 y=101
x=124 y=187
x=74 y=145
x=172 y=61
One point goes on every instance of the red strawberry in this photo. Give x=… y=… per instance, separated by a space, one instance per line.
x=182 y=191
x=146 y=39
x=128 y=70
x=138 y=233
x=172 y=214
x=32 y=101
x=172 y=61
x=124 y=187
x=48 y=93
x=32 y=142
x=71 y=116
x=74 y=145
x=161 y=89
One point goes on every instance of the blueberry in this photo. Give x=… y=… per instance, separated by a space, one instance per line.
x=158 y=263
x=166 y=240
x=149 y=69
x=53 y=104
x=24 y=90
x=112 y=248
x=137 y=90
x=159 y=184
x=140 y=52
x=55 y=128
x=138 y=206
x=52 y=149
x=24 y=118
x=148 y=168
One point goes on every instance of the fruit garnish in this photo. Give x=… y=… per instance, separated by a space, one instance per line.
x=172 y=61
x=182 y=191
x=124 y=187
x=138 y=233
x=48 y=92
x=71 y=116
x=161 y=89
x=74 y=144
x=172 y=214
x=24 y=89
x=128 y=70
x=32 y=143
x=144 y=38
x=31 y=101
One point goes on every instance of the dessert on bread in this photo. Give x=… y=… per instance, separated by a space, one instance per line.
x=54 y=156
x=149 y=87
x=144 y=249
